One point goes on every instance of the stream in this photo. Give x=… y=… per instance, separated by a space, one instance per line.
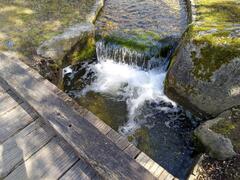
x=131 y=100
x=129 y=94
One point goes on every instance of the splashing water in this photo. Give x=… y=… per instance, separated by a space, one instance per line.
x=130 y=83
x=131 y=99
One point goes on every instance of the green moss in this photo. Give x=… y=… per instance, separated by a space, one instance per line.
x=143 y=139
x=128 y=43
x=213 y=33
x=54 y=67
x=223 y=127
x=130 y=138
x=213 y=57
x=218 y=11
x=111 y=112
x=230 y=127
x=138 y=40
x=86 y=52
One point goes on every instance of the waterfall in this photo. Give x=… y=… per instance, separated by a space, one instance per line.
x=110 y=51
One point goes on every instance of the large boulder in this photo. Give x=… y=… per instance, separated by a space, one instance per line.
x=204 y=74
x=220 y=135
x=60 y=46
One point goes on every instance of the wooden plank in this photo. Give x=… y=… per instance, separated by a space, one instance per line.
x=132 y=151
x=163 y=175
x=50 y=162
x=118 y=139
x=169 y=177
x=122 y=143
x=20 y=147
x=4 y=87
x=158 y=171
x=80 y=170
x=12 y=122
x=149 y=163
x=153 y=168
x=90 y=144
x=15 y=97
x=7 y=103
x=99 y=124
x=142 y=159
x=2 y=91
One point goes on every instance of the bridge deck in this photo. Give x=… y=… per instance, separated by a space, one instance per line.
x=45 y=134
x=30 y=149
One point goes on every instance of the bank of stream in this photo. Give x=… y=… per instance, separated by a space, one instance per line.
x=124 y=87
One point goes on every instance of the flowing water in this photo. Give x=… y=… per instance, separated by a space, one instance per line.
x=165 y=17
x=125 y=88
x=131 y=100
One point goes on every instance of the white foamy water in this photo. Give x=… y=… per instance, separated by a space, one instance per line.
x=130 y=83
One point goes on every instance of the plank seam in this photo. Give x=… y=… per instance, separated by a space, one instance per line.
x=22 y=161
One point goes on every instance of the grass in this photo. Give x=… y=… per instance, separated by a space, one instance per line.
x=25 y=24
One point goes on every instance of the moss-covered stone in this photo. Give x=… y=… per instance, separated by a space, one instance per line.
x=230 y=127
x=134 y=40
x=112 y=113
x=217 y=47
x=204 y=71
x=139 y=45
x=86 y=51
x=143 y=140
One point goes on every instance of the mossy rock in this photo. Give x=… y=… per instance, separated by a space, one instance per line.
x=142 y=137
x=148 y=42
x=112 y=113
x=85 y=49
x=204 y=74
x=74 y=44
x=230 y=127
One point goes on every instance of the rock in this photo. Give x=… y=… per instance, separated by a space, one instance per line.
x=59 y=46
x=204 y=74
x=91 y=17
x=218 y=146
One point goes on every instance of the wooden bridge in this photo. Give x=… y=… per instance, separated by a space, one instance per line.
x=44 y=134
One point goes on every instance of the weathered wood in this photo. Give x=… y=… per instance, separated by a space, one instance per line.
x=80 y=170
x=22 y=145
x=12 y=122
x=132 y=151
x=153 y=167
x=118 y=139
x=142 y=159
x=7 y=103
x=4 y=87
x=163 y=175
x=50 y=162
x=169 y=177
x=2 y=91
x=158 y=171
x=94 y=120
x=149 y=164
x=88 y=142
x=14 y=96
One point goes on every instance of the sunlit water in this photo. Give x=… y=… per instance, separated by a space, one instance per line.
x=165 y=17
x=131 y=84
